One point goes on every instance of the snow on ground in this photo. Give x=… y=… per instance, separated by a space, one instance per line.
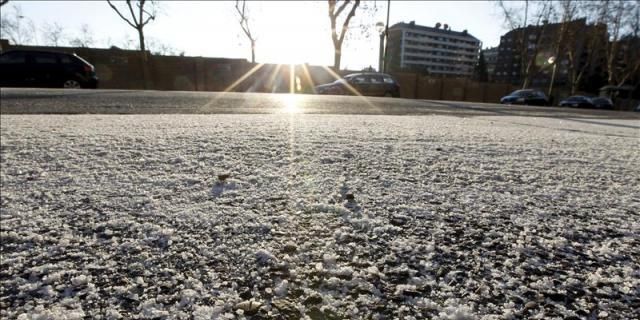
x=320 y=217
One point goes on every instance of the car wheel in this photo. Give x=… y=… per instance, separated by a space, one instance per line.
x=71 y=84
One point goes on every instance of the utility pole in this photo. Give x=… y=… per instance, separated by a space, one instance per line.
x=553 y=75
x=381 y=28
x=386 y=35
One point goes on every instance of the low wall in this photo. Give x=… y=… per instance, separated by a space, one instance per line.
x=122 y=69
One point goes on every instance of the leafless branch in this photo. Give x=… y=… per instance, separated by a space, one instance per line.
x=120 y=14
x=243 y=14
x=334 y=14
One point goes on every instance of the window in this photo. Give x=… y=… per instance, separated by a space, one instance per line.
x=358 y=79
x=387 y=79
x=13 y=58
x=65 y=59
x=48 y=58
x=375 y=79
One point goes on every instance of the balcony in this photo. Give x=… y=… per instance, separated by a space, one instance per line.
x=462 y=45
x=457 y=55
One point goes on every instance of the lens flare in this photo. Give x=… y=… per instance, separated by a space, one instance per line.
x=291 y=103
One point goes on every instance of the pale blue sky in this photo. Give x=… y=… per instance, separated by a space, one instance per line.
x=288 y=32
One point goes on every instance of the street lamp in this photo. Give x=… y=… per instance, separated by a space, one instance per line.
x=380 y=28
x=552 y=60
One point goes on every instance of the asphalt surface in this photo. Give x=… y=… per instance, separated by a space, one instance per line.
x=56 y=101
x=451 y=211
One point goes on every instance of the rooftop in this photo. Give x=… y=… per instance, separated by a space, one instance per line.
x=412 y=25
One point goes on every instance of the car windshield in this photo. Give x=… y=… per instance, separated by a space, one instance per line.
x=319 y=160
x=522 y=93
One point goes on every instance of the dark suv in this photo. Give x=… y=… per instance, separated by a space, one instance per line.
x=366 y=84
x=27 y=68
x=527 y=97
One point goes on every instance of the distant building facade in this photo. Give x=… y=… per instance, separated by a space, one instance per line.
x=536 y=45
x=431 y=50
x=491 y=59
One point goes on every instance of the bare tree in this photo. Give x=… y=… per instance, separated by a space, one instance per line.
x=127 y=43
x=243 y=14
x=158 y=47
x=529 y=39
x=583 y=47
x=621 y=19
x=85 y=39
x=140 y=17
x=53 y=34
x=627 y=66
x=623 y=51
x=335 y=11
x=16 y=27
x=362 y=28
x=567 y=13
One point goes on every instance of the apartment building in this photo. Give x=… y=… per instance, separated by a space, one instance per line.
x=434 y=50
x=491 y=59
x=536 y=45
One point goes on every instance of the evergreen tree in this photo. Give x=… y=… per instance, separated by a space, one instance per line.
x=480 y=72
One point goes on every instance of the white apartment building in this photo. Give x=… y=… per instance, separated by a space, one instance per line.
x=437 y=50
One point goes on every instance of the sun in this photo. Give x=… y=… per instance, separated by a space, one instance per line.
x=297 y=39
x=291 y=103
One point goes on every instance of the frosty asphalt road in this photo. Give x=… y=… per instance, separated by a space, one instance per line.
x=448 y=214
x=55 y=101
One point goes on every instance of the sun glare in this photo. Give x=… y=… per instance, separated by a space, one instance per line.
x=288 y=51
x=291 y=103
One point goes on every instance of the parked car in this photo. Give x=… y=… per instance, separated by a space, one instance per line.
x=28 y=68
x=577 y=102
x=602 y=103
x=367 y=84
x=526 y=97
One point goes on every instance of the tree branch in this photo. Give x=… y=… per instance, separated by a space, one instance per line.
x=332 y=18
x=244 y=20
x=507 y=15
x=345 y=25
x=120 y=14
x=140 y=12
x=342 y=7
x=133 y=15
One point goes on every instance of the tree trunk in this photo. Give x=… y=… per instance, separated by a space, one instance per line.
x=524 y=52
x=527 y=74
x=337 y=55
x=253 y=51
x=141 y=39
x=573 y=77
x=143 y=59
x=610 y=70
x=576 y=83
